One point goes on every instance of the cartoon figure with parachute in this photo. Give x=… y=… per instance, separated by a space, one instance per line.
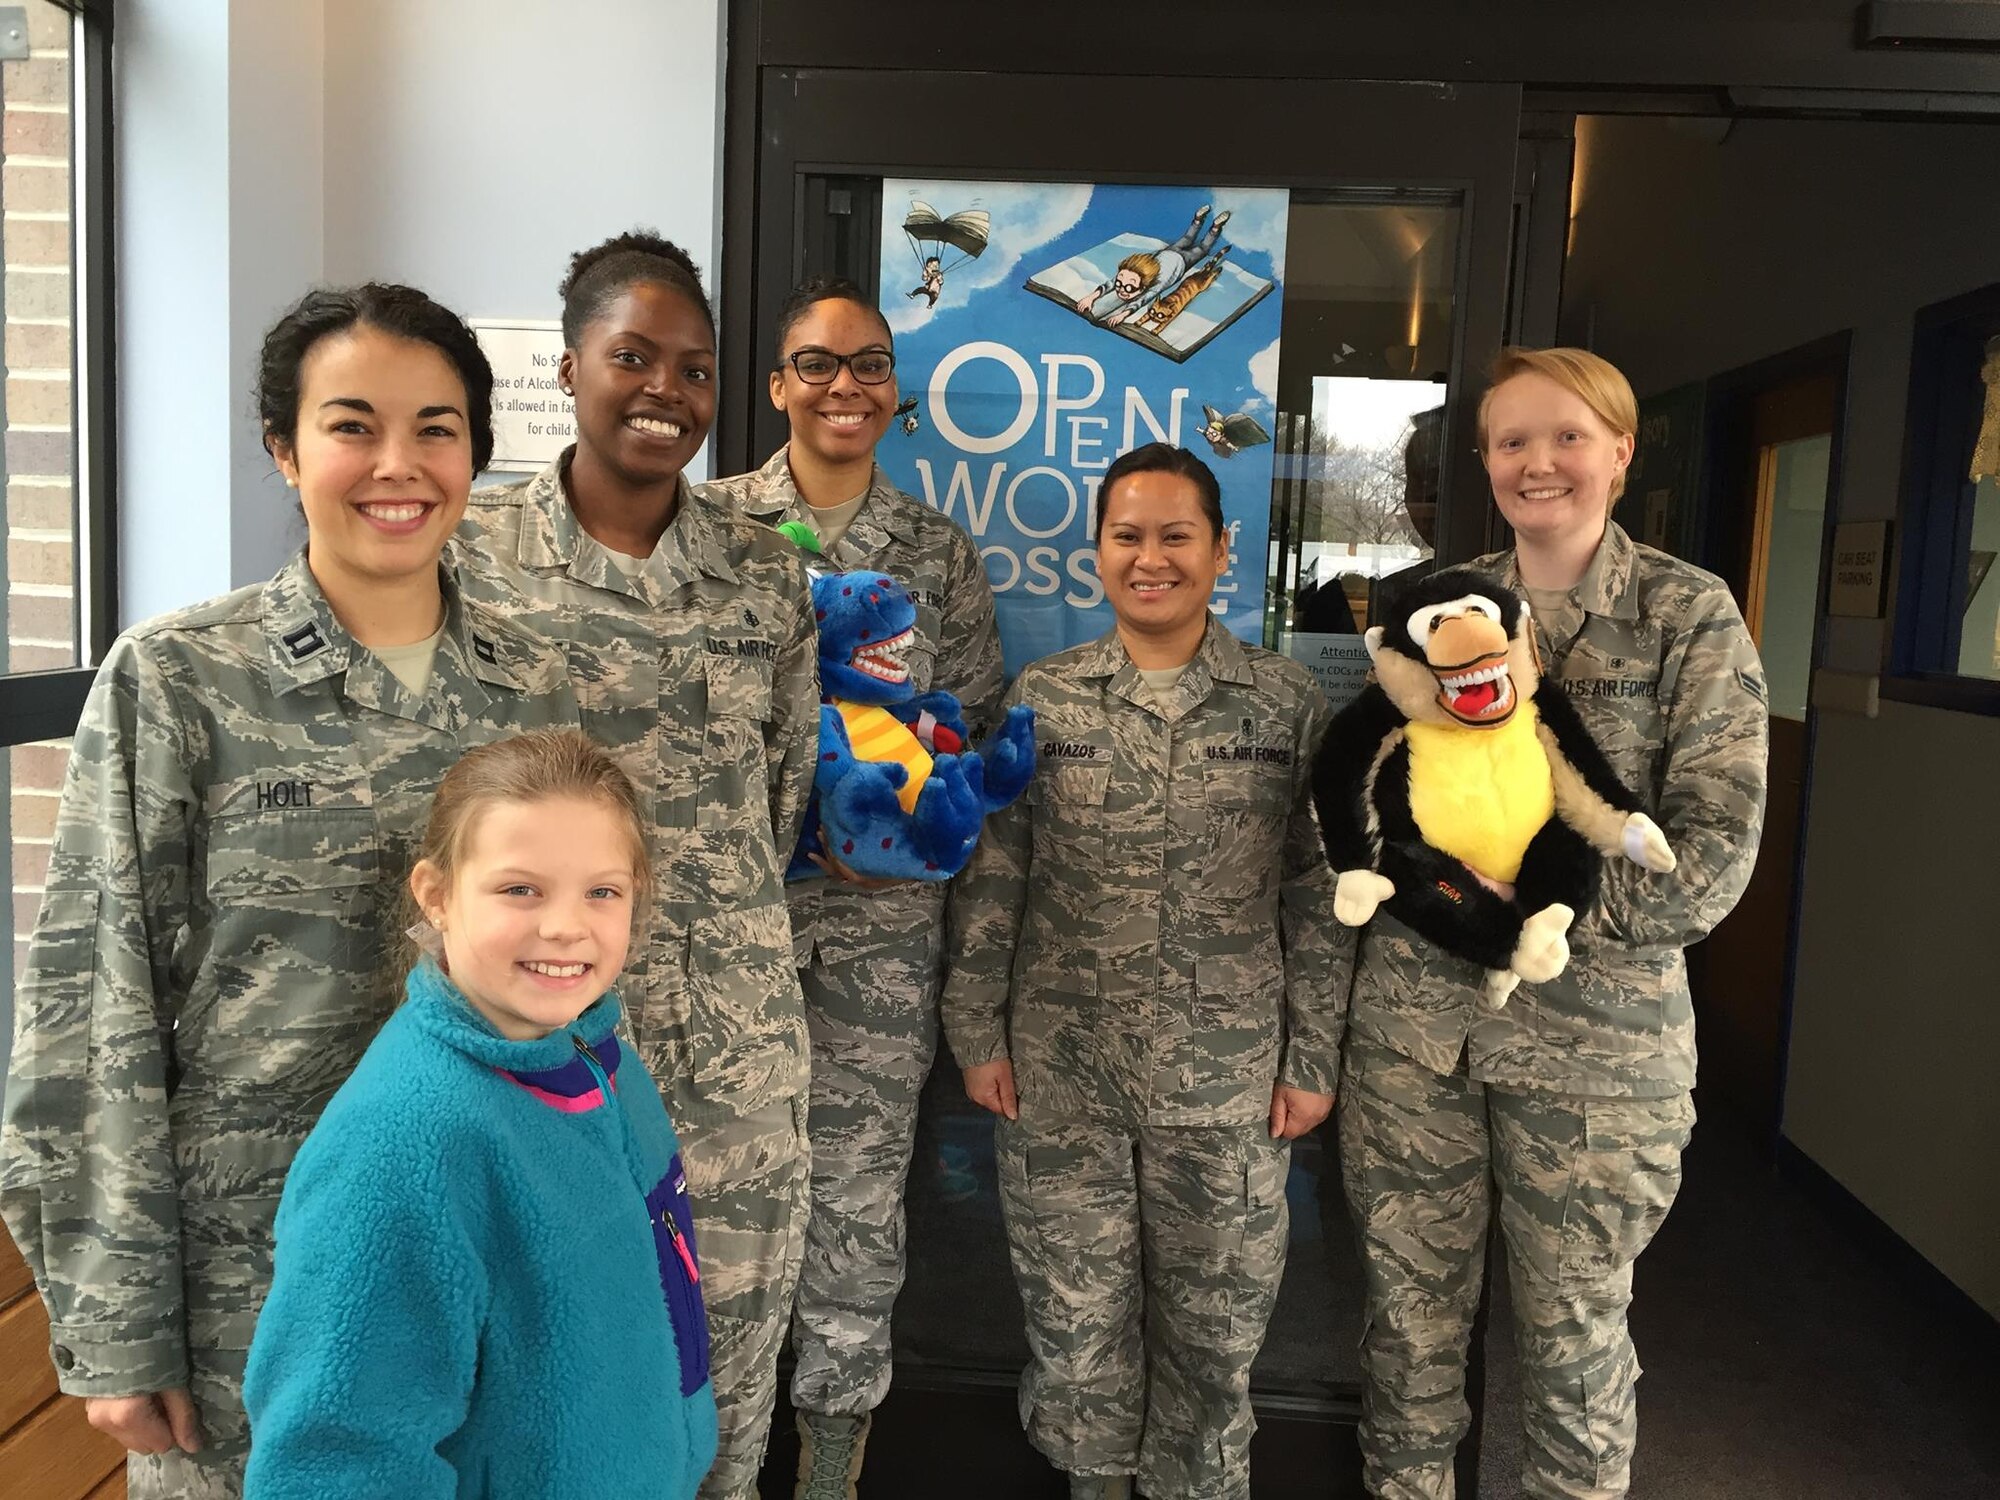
x=941 y=245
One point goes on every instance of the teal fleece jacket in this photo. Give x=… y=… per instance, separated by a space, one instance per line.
x=485 y=1277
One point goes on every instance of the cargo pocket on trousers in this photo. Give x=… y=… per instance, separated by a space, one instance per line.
x=1048 y=1256
x=1621 y=1185
x=50 y=1068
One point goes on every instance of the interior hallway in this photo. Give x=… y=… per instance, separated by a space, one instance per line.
x=1783 y=1361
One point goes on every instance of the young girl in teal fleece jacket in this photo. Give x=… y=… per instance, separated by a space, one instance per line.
x=485 y=1280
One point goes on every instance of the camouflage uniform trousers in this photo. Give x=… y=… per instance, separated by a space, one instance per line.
x=180 y=1476
x=1148 y=1260
x=1584 y=1183
x=874 y=1025
x=747 y=1177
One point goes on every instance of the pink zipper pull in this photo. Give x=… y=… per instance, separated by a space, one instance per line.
x=687 y=1255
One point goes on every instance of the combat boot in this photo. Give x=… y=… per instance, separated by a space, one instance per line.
x=1100 y=1487
x=830 y=1455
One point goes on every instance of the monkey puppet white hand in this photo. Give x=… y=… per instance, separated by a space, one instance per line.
x=1644 y=844
x=1356 y=895
x=1541 y=953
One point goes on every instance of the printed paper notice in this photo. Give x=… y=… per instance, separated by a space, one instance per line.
x=1339 y=662
x=533 y=421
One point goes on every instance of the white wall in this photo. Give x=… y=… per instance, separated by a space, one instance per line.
x=473 y=146
x=277 y=229
x=466 y=146
x=1898 y=1016
x=1691 y=258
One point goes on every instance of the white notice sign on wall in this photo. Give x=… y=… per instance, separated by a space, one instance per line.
x=1339 y=662
x=1860 y=569
x=533 y=421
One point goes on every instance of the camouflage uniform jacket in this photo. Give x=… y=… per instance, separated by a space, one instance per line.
x=244 y=792
x=1149 y=933
x=700 y=672
x=957 y=649
x=1660 y=666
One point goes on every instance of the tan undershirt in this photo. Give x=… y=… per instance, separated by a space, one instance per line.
x=411 y=664
x=1548 y=602
x=832 y=521
x=1161 y=681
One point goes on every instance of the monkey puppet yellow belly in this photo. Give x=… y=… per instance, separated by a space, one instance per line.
x=1481 y=795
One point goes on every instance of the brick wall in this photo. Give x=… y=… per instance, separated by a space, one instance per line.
x=40 y=567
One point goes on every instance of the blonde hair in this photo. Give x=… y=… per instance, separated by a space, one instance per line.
x=540 y=766
x=1592 y=379
x=1145 y=263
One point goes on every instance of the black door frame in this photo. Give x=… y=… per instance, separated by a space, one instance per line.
x=1725 y=450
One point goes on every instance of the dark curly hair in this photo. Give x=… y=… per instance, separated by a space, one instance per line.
x=637 y=257
x=1164 y=458
x=402 y=312
x=807 y=295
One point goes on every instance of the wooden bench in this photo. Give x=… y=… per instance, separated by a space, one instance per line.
x=47 y=1450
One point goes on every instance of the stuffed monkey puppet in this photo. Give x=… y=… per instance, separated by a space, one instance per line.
x=1463 y=793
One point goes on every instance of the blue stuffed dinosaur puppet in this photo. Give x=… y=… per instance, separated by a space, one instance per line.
x=898 y=792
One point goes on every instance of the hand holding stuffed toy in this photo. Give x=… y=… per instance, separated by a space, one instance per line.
x=898 y=793
x=1463 y=794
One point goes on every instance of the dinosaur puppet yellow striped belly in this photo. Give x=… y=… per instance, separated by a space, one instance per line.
x=1481 y=795
x=878 y=735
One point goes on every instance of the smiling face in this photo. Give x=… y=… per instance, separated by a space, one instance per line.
x=839 y=423
x=644 y=380
x=1551 y=460
x=1158 y=552
x=536 y=916
x=382 y=457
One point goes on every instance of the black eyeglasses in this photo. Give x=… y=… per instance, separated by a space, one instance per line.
x=822 y=366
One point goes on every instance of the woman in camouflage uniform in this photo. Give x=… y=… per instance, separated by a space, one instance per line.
x=691 y=643
x=1572 y=1101
x=868 y=952
x=214 y=946
x=1140 y=981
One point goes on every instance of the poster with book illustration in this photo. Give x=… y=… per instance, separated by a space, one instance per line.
x=1041 y=330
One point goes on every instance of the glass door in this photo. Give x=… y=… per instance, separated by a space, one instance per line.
x=1364 y=388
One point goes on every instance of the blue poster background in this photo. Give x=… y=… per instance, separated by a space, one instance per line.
x=1022 y=402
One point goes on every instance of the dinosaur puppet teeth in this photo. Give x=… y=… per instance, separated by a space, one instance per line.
x=884 y=660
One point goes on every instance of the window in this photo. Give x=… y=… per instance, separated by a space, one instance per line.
x=1947 y=643
x=56 y=581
